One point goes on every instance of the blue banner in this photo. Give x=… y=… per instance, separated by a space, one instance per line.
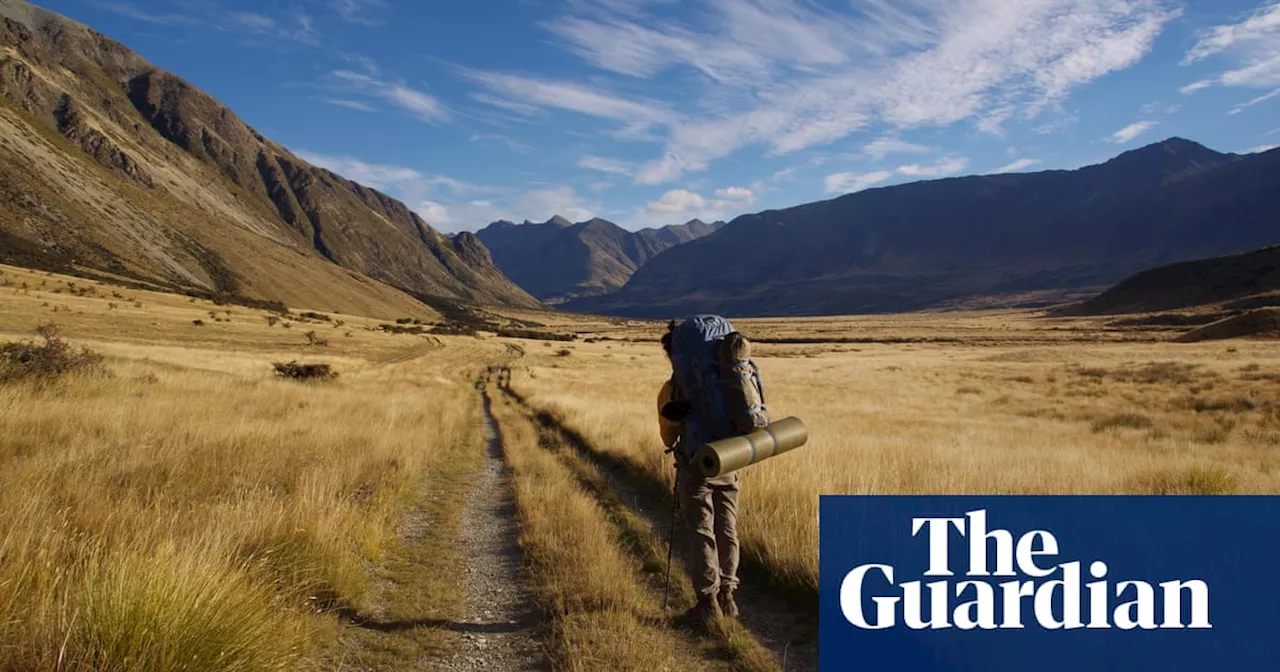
x=1081 y=583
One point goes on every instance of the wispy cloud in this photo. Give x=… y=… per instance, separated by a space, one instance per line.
x=1260 y=99
x=421 y=105
x=1260 y=149
x=1196 y=86
x=350 y=104
x=132 y=11
x=942 y=167
x=848 y=183
x=1253 y=43
x=606 y=165
x=1020 y=164
x=570 y=96
x=881 y=147
x=450 y=203
x=1132 y=131
x=362 y=12
x=389 y=177
x=812 y=76
x=511 y=143
x=296 y=27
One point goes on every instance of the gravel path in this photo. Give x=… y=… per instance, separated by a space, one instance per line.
x=498 y=631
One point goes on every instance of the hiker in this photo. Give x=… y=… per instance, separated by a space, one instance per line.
x=709 y=505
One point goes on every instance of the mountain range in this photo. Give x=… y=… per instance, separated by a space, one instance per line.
x=109 y=164
x=1047 y=235
x=558 y=260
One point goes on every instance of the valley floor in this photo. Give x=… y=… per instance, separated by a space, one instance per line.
x=181 y=502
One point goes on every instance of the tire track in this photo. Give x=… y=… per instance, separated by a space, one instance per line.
x=787 y=626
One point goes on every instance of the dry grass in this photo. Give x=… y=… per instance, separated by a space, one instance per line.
x=600 y=617
x=193 y=505
x=941 y=414
x=190 y=511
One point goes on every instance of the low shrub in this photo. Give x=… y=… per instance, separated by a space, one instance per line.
x=46 y=360
x=310 y=372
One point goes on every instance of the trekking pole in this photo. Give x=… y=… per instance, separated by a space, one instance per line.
x=671 y=537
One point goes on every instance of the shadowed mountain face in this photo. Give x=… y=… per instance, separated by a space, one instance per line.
x=1193 y=283
x=999 y=238
x=109 y=163
x=559 y=260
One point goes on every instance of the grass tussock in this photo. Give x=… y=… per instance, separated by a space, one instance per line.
x=1193 y=480
x=200 y=520
x=1123 y=421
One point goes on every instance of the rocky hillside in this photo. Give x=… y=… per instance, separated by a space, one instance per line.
x=1015 y=239
x=559 y=260
x=108 y=163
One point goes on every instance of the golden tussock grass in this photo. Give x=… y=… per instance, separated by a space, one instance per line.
x=1039 y=411
x=189 y=511
x=599 y=616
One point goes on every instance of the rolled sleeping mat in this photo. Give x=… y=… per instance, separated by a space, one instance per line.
x=726 y=455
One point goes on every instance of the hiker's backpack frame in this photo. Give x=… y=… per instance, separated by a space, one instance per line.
x=712 y=369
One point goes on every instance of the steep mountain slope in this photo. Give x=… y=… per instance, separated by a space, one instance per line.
x=558 y=260
x=943 y=242
x=1189 y=284
x=109 y=163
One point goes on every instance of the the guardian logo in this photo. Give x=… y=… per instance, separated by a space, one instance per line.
x=1013 y=583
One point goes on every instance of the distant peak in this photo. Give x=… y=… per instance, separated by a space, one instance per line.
x=1170 y=158
x=1172 y=147
x=559 y=221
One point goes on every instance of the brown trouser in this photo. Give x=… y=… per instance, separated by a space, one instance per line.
x=710 y=511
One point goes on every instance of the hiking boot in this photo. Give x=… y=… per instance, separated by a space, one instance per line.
x=702 y=613
x=727 y=606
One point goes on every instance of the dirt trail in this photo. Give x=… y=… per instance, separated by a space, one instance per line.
x=785 y=626
x=498 y=628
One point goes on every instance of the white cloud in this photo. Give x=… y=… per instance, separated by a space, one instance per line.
x=1252 y=43
x=1195 y=86
x=1260 y=149
x=1020 y=164
x=882 y=147
x=1260 y=99
x=942 y=167
x=689 y=205
x=403 y=182
x=421 y=105
x=737 y=195
x=350 y=104
x=570 y=96
x=677 y=201
x=848 y=183
x=606 y=165
x=1158 y=107
x=809 y=76
x=1132 y=131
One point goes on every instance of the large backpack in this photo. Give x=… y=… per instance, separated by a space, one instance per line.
x=712 y=367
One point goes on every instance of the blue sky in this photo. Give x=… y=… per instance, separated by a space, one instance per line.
x=651 y=112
